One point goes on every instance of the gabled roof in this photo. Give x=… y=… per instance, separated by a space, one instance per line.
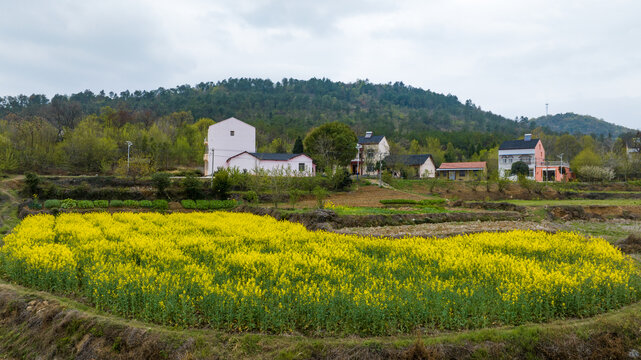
x=270 y=156
x=231 y=119
x=409 y=160
x=374 y=139
x=474 y=165
x=274 y=156
x=518 y=144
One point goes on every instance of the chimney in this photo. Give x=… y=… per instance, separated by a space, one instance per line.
x=527 y=137
x=368 y=134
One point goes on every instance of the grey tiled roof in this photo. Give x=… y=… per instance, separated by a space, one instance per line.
x=518 y=144
x=274 y=156
x=409 y=160
x=374 y=139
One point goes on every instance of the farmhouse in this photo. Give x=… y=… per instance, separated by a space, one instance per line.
x=531 y=152
x=462 y=170
x=423 y=164
x=231 y=143
x=371 y=150
x=633 y=147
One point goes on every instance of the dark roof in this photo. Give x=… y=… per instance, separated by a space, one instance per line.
x=519 y=144
x=409 y=160
x=374 y=139
x=274 y=156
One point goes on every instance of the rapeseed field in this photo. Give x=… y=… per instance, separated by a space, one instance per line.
x=242 y=272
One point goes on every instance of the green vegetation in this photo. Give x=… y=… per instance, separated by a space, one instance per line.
x=578 y=124
x=583 y=202
x=428 y=202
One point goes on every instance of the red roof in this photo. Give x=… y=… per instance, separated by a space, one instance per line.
x=463 y=165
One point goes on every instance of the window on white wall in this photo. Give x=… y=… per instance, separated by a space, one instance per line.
x=301 y=166
x=231 y=133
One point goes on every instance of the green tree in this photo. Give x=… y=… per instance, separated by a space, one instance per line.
x=587 y=157
x=135 y=168
x=298 y=146
x=330 y=145
x=520 y=168
x=161 y=182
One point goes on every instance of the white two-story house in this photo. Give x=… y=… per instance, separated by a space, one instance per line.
x=371 y=150
x=528 y=150
x=231 y=143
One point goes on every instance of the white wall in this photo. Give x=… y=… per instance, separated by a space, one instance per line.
x=247 y=162
x=427 y=169
x=226 y=145
x=514 y=153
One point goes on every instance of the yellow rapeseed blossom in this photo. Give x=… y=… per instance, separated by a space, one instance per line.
x=247 y=272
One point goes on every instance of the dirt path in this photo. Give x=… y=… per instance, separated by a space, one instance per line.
x=448 y=229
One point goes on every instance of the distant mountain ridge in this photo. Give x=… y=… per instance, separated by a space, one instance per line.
x=578 y=124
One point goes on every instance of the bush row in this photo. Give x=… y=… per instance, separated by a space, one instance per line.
x=425 y=202
x=208 y=204
x=89 y=204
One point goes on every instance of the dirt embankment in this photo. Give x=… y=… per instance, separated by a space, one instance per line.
x=328 y=220
x=593 y=212
x=34 y=327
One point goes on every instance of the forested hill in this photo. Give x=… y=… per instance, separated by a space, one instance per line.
x=578 y=124
x=288 y=108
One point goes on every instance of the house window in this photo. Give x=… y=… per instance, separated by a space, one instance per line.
x=301 y=166
x=370 y=153
x=531 y=173
x=461 y=173
x=231 y=133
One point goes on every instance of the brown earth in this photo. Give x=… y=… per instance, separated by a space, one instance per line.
x=366 y=196
x=596 y=212
x=452 y=228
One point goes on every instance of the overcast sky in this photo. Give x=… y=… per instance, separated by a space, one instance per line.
x=509 y=57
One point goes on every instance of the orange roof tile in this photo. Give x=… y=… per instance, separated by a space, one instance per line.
x=463 y=165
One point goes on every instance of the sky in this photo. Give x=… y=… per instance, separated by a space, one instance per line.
x=509 y=57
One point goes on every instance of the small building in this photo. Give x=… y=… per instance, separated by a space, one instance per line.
x=371 y=149
x=531 y=152
x=294 y=164
x=231 y=143
x=462 y=170
x=633 y=147
x=422 y=163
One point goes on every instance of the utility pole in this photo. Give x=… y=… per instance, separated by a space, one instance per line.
x=546 y=109
x=212 y=167
x=358 y=159
x=129 y=143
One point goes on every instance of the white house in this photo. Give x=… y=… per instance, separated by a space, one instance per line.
x=422 y=163
x=231 y=143
x=371 y=150
x=633 y=147
x=294 y=163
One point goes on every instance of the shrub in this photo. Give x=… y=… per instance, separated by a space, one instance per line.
x=68 y=204
x=595 y=173
x=202 y=204
x=85 y=204
x=188 y=204
x=502 y=184
x=51 y=191
x=31 y=183
x=160 y=204
x=192 y=187
x=295 y=195
x=320 y=194
x=131 y=203
x=222 y=204
x=221 y=184
x=520 y=168
x=35 y=204
x=161 y=182
x=101 y=203
x=146 y=204
x=52 y=204
x=341 y=180
x=251 y=196
x=116 y=203
x=423 y=202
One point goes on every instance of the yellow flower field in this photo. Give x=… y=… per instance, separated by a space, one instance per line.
x=247 y=272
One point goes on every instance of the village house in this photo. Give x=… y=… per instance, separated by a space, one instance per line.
x=231 y=143
x=462 y=170
x=423 y=164
x=633 y=147
x=371 y=150
x=531 y=152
